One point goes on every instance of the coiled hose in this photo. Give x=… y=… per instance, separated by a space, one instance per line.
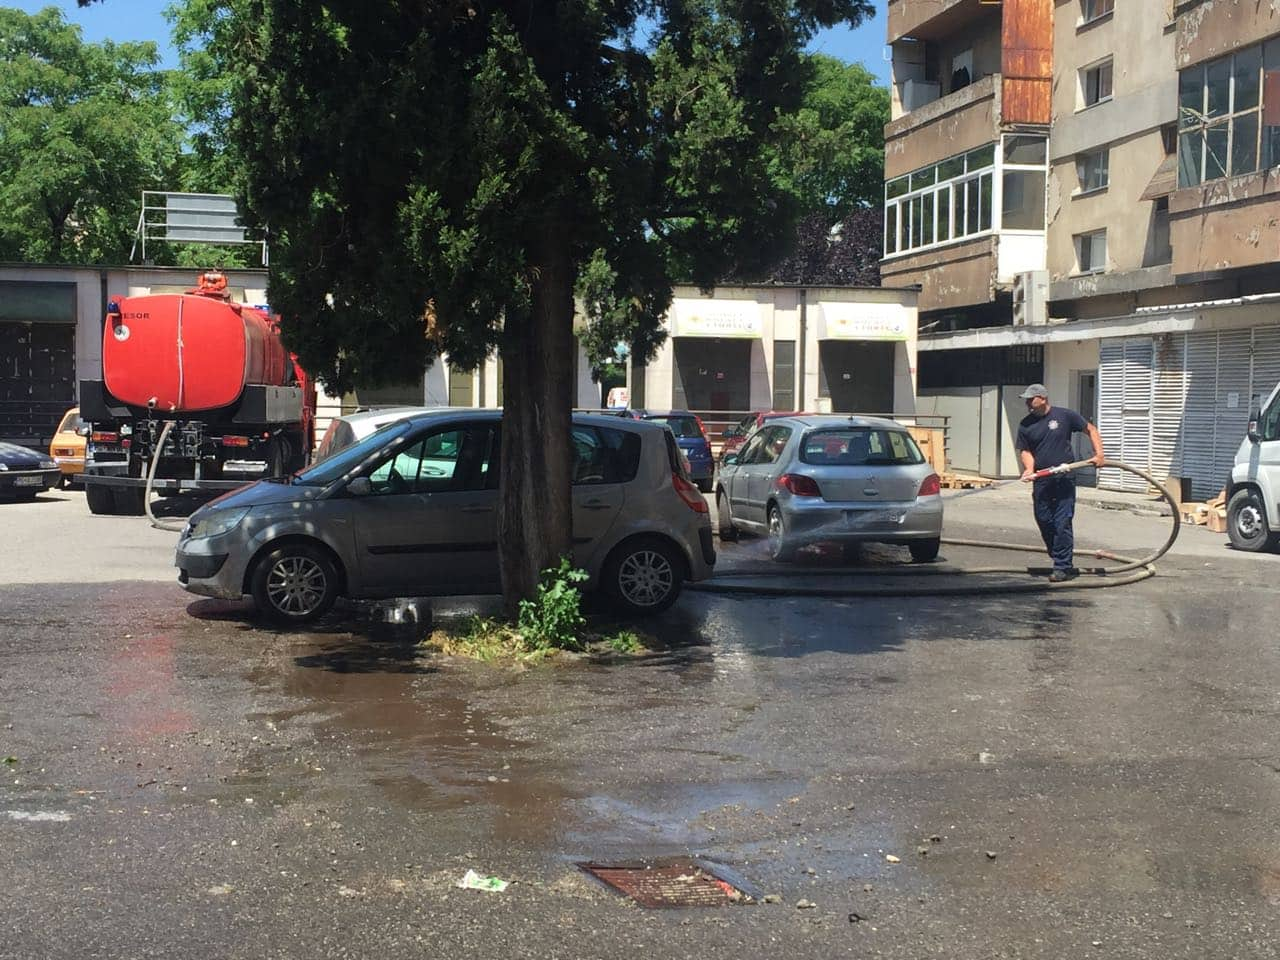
x=175 y=526
x=1129 y=569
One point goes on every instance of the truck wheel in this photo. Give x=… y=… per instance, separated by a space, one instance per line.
x=130 y=501
x=1247 y=522
x=295 y=583
x=101 y=500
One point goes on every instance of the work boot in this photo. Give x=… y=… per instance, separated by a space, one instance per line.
x=1060 y=575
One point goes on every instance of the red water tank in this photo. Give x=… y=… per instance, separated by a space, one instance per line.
x=183 y=353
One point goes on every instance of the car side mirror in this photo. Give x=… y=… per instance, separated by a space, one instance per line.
x=1254 y=435
x=730 y=459
x=360 y=487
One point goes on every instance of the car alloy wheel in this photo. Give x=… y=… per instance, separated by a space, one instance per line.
x=644 y=575
x=296 y=583
x=779 y=549
x=724 y=519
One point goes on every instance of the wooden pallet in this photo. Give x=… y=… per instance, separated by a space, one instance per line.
x=954 y=481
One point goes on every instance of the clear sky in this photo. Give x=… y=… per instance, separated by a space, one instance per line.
x=144 y=20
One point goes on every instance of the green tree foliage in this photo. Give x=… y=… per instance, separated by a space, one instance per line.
x=84 y=129
x=441 y=176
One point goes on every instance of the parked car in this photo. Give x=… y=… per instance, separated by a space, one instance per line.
x=738 y=434
x=851 y=480
x=350 y=428
x=68 y=445
x=1253 y=492
x=691 y=437
x=411 y=510
x=25 y=472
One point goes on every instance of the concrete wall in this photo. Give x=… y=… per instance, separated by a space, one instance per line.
x=958 y=122
x=956 y=275
x=1226 y=223
x=1062 y=361
x=963 y=405
x=1216 y=27
x=1138 y=39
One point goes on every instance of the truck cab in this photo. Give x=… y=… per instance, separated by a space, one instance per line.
x=1253 y=495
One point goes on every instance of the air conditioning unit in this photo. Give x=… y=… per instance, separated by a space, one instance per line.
x=1031 y=298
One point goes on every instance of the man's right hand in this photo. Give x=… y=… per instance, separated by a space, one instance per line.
x=1028 y=475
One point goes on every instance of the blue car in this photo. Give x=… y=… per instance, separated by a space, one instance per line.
x=692 y=439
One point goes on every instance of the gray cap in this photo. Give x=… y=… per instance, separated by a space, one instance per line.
x=1035 y=390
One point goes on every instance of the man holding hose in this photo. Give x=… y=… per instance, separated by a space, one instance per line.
x=1044 y=440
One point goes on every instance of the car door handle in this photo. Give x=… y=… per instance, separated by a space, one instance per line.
x=476 y=508
x=596 y=505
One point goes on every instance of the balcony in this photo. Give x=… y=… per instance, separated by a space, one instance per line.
x=947 y=126
x=931 y=19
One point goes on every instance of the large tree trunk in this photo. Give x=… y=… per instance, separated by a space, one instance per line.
x=535 y=509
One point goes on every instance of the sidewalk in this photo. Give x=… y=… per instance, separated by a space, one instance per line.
x=1142 y=504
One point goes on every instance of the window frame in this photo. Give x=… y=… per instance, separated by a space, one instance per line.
x=1089 y=236
x=1107 y=63
x=1082 y=188
x=1100 y=14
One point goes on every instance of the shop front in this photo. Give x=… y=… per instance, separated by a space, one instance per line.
x=865 y=362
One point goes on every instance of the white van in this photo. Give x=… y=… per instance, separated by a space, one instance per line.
x=1253 y=495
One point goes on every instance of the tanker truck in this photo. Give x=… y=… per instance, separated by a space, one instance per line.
x=198 y=393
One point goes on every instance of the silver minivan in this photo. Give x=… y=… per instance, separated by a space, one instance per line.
x=1253 y=495
x=412 y=510
x=850 y=480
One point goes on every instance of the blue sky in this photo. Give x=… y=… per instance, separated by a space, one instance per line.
x=144 y=20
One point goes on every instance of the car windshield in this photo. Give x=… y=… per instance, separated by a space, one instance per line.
x=71 y=422
x=685 y=428
x=859 y=446
x=350 y=457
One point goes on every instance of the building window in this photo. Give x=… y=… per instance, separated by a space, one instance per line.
x=954 y=200
x=939 y=203
x=1092 y=170
x=1091 y=252
x=1091 y=10
x=1227 y=126
x=1095 y=83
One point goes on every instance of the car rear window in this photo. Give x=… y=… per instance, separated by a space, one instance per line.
x=859 y=446
x=685 y=428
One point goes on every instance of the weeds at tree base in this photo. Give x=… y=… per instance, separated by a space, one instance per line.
x=551 y=623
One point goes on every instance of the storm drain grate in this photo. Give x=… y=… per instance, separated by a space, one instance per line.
x=670 y=883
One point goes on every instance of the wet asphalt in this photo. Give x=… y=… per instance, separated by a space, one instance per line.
x=1087 y=773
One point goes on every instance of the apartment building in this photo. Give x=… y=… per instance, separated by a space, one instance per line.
x=1151 y=301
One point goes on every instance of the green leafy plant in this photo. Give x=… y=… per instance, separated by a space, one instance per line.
x=553 y=618
x=625 y=641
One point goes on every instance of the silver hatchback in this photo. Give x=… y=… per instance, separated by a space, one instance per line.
x=802 y=480
x=411 y=510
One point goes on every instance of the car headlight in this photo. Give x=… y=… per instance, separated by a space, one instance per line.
x=48 y=465
x=216 y=524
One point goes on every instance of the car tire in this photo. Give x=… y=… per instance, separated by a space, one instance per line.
x=644 y=576
x=101 y=500
x=294 y=584
x=779 y=550
x=922 y=551
x=724 y=519
x=1247 y=521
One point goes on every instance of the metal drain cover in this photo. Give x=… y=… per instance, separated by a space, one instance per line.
x=669 y=883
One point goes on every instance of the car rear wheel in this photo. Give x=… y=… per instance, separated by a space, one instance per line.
x=922 y=551
x=704 y=485
x=779 y=549
x=1247 y=522
x=724 y=519
x=644 y=576
x=295 y=584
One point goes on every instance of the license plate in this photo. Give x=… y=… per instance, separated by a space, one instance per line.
x=873 y=518
x=28 y=481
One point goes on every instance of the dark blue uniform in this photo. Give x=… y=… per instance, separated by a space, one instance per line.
x=1048 y=438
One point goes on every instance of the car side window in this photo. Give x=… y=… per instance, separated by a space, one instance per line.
x=601 y=455
x=456 y=458
x=1269 y=428
x=751 y=452
x=775 y=441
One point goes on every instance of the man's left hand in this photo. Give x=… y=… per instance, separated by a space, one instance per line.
x=1097 y=459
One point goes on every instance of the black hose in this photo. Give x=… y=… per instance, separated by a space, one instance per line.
x=1129 y=570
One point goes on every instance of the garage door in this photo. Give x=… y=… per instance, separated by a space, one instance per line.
x=1125 y=381
x=37 y=359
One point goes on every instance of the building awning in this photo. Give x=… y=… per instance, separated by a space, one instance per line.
x=1164 y=181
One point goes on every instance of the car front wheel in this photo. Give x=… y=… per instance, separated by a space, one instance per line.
x=644 y=576
x=1247 y=522
x=724 y=519
x=295 y=584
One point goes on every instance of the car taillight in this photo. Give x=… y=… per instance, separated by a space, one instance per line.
x=702 y=429
x=932 y=486
x=798 y=485
x=235 y=441
x=689 y=493
x=101 y=436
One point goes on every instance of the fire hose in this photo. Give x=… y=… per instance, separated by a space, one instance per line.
x=159 y=524
x=1127 y=569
